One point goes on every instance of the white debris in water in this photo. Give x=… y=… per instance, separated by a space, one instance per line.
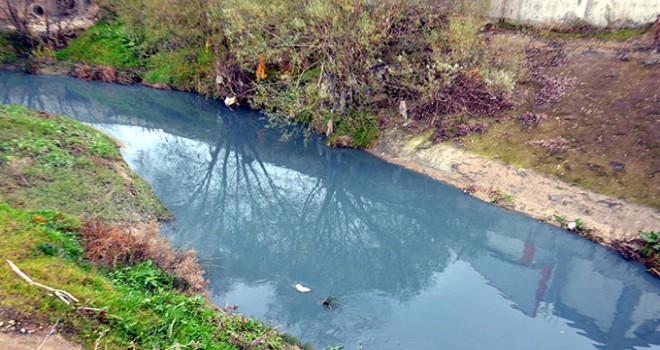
x=230 y=100
x=302 y=289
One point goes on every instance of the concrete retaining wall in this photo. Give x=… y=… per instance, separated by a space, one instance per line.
x=599 y=13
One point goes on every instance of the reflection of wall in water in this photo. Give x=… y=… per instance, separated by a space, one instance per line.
x=543 y=277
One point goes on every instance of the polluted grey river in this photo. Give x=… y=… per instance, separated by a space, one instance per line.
x=408 y=262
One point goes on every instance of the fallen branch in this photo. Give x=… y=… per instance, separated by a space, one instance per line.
x=98 y=340
x=63 y=295
x=181 y=346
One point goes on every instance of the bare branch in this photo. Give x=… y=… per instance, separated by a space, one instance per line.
x=63 y=295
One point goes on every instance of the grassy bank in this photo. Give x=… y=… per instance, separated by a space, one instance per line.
x=58 y=163
x=132 y=289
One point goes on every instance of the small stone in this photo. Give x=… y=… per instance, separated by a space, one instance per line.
x=11 y=322
x=618 y=167
x=425 y=145
x=649 y=62
x=589 y=52
x=571 y=226
x=611 y=75
x=23 y=330
x=625 y=57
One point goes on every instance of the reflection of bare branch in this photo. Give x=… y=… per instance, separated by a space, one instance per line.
x=205 y=183
x=228 y=192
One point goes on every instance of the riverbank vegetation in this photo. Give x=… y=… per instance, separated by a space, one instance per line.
x=98 y=242
x=353 y=69
x=345 y=69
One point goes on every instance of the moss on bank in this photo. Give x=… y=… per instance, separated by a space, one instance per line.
x=123 y=302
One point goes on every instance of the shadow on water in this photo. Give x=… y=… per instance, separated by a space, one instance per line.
x=414 y=263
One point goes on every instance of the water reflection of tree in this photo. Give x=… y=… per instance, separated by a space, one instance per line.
x=325 y=225
x=280 y=212
x=244 y=195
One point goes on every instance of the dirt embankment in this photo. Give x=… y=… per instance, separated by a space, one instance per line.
x=598 y=104
x=532 y=193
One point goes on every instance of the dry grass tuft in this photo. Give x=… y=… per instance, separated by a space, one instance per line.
x=105 y=73
x=555 y=146
x=115 y=244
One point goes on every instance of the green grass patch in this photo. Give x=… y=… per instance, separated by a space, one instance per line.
x=131 y=307
x=106 y=43
x=185 y=69
x=58 y=163
x=616 y=35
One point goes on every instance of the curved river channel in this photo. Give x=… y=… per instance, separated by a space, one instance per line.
x=413 y=263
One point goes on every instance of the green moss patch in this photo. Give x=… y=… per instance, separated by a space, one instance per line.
x=186 y=69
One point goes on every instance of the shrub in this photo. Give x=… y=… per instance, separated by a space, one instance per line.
x=115 y=245
x=651 y=251
x=343 y=68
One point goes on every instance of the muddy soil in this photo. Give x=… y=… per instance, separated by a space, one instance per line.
x=18 y=336
x=15 y=341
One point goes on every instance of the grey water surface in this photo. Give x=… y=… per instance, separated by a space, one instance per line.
x=413 y=263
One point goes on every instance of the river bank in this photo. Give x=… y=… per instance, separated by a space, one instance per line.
x=76 y=221
x=395 y=217
x=604 y=219
x=607 y=220
x=606 y=143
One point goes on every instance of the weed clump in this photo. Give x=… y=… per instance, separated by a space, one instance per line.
x=553 y=89
x=530 y=120
x=645 y=248
x=116 y=245
x=651 y=250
